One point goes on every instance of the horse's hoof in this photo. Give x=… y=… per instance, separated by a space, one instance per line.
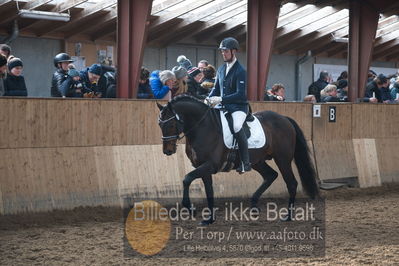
x=255 y=211
x=286 y=219
x=206 y=222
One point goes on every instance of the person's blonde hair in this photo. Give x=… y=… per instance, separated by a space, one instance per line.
x=328 y=89
x=181 y=86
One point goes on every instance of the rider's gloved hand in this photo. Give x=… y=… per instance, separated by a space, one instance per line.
x=207 y=101
x=214 y=100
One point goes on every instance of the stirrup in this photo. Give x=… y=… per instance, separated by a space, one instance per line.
x=244 y=168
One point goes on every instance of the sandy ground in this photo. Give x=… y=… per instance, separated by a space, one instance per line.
x=362 y=228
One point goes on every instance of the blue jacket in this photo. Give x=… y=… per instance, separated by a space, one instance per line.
x=234 y=87
x=159 y=90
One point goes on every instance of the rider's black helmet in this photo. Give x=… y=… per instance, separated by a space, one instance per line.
x=229 y=44
x=62 y=57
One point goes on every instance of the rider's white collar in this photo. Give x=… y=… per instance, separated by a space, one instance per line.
x=230 y=65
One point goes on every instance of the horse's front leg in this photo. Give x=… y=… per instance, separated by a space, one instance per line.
x=209 y=196
x=205 y=169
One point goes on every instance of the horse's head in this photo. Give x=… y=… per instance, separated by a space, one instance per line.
x=171 y=128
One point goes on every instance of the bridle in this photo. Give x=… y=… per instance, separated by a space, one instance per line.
x=179 y=123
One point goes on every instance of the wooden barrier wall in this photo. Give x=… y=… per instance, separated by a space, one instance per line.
x=64 y=153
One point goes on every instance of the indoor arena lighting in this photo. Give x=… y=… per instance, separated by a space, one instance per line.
x=34 y=14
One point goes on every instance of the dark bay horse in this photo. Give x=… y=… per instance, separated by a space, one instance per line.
x=207 y=152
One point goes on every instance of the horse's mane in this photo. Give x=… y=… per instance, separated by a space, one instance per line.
x=187 y=98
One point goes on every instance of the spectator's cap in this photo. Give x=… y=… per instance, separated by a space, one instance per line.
x=3 y=60
x=372 y=72
x=194 y=71
x=179 y=71
x=166 y=75
x=184 y=62
x=5 y=48
x=95 y=69
x=73 y=72
x=382 y=78
x=144 y=74
x=342 y=84
x=15 y=62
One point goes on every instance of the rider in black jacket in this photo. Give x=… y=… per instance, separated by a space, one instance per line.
x=61 y=62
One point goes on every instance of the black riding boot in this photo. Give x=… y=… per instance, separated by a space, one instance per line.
x=242 y=141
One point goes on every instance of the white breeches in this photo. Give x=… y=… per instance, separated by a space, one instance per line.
x=238 y=120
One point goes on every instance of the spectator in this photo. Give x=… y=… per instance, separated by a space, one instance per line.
x=343 y=75
x=310 y=98
x=73 y=87
x=90 y=78
x=161 y=83
x=342 y=89
x=184 y=62
x=208 y=81
x=203 y=64
x=107 y=79
x=395 y=90
x=277 y=93
x=373 y=89
x=193 y=84
x=180 y=85
x=110 y=84
x=3 y=73
x=371 y=76
x=393 y=79
x=61 y=62
x=5 y=50
x=144 y=91
x=329 y=94
x=14 y=83
x=318 y=85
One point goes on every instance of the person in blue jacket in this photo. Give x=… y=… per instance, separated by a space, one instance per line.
x=161 y=82
x=231 y=91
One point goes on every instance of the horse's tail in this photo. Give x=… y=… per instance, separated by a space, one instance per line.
x=304 y=163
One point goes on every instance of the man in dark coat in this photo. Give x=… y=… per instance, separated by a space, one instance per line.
x=61 y=62
x=230 y=90
x=193 y=83
x=373 y=92
x=318 y=85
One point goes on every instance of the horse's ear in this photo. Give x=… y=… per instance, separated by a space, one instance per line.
x=160 y=106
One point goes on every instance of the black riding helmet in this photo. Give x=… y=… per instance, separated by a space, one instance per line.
x=62 y=57
x=229 y=44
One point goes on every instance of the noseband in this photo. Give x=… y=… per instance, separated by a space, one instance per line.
x=163 y=122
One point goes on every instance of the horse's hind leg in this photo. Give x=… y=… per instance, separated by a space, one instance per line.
x=289 y=178
x=268 y=174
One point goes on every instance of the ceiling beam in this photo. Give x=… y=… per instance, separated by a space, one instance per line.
x=164 y=5
x=83 y=15
x=382 y=50
x=211 y=24
x=105 y=31
x=297 y=14
x=61 y=7
x=323 y=15
x=109 y=17
x=228 y=25
x=35 y=4
x=183 y=9
x=167 y=36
